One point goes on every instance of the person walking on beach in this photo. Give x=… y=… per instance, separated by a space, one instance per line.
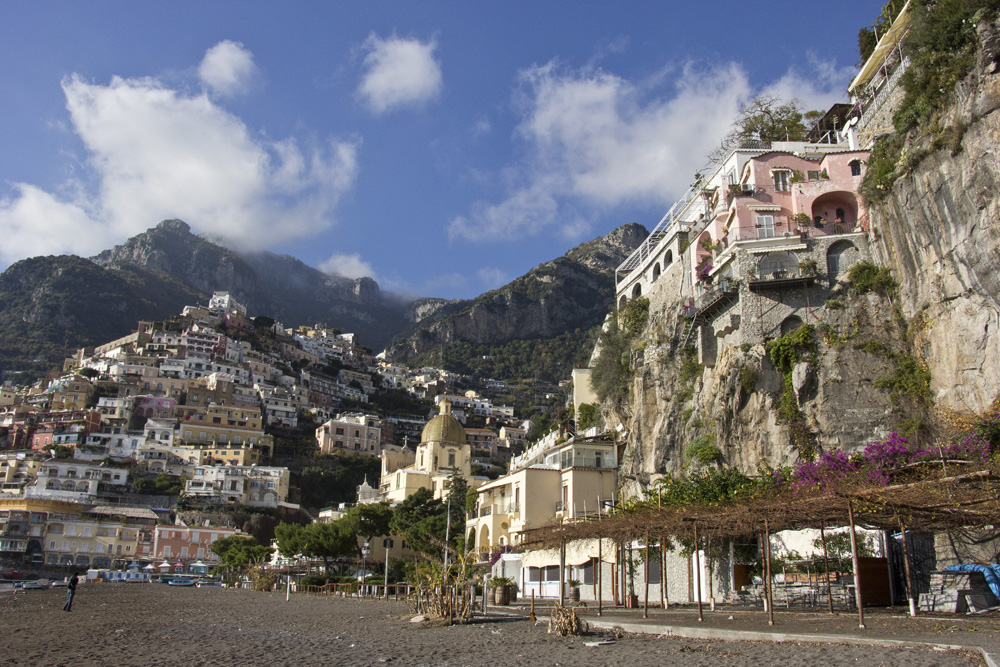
x=70 y=592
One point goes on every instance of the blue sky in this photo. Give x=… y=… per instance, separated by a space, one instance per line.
x=443 y=148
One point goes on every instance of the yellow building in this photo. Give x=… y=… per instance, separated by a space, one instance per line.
x=231 y=434
x=442 y=452
x=553 y=481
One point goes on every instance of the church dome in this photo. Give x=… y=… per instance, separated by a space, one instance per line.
x=444 y=428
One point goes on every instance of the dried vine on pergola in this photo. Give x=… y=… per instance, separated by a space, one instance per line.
x=936 y=501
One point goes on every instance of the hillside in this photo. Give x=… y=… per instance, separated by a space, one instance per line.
x=50 y=306
x=538 y=325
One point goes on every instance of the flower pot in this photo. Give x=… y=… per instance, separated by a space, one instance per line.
x=501 y=595
x=574 y=594
x=631 y=601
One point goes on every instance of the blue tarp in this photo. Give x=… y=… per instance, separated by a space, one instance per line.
x=990 y=572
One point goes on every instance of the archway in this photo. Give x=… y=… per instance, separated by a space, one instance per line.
x=790 y=324
x=622 y=302
x=637 y=291
x=835 y=212
x=839 y=257
x=484 y=537
x=656 y=271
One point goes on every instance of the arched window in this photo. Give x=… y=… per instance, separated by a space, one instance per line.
x=668 y=258
x=777 y=266
x=637 y=291
x=656 y=271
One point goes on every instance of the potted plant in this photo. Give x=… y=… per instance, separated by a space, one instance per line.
x=808 y=267
x=574 y=589
x=802 y=220
x=504 y=590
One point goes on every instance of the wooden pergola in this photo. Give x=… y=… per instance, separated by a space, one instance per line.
x=935 y=496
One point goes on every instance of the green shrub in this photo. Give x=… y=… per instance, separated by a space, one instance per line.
x=703 y=450
x=748 y=379
x=909 y=378
x=865 y=277
x=834 y=304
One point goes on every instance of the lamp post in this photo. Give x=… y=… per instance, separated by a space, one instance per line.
x=365 y=550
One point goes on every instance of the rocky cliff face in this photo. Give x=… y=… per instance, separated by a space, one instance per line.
x=938 y=230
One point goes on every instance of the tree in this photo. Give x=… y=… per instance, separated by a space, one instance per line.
x=370 y=519
x=329 y=541
x=238 y=552
x=458 y=493
x=421 y=519
x=290 y=539
x=765 y=118
x=588 y=416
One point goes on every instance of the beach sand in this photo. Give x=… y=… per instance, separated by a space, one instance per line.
x=154 y=624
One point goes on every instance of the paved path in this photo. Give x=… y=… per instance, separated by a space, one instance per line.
x=883 y=627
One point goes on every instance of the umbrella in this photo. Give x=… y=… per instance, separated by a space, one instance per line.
x=149 y=567
x=198 y=563
x=163 y=565
x=133 y=565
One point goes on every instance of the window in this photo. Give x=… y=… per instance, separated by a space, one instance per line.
x=813 y=175
x=765 y=226
x=451 y=459
x=781 y=183
x=855 y=168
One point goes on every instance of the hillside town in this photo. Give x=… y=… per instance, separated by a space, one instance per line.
x=191 y=413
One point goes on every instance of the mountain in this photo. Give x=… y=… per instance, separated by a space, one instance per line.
x=540 y=324
x=50 y=306
x=278 y=286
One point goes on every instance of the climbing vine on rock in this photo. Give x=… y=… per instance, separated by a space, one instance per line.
x=785 y=352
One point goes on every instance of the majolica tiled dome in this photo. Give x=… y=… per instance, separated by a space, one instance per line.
x=444 y=428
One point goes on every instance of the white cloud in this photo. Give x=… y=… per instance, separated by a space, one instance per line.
x=349 y=266
x=33 y=222
x=399 y=72
x=595 y=141
x=491 y=277
x=158 y=153
x=227 y=68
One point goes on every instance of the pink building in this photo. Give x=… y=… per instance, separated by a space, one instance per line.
x=186 y=544
x=781 y=199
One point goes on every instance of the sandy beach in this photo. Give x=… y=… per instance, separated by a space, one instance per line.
x=153 y=624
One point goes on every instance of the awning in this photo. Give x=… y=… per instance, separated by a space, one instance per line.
x=578 y=552
x=887 y=43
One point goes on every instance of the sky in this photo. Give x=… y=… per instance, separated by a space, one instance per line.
x=442 y=148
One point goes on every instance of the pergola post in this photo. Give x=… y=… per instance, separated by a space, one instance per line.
x=600 y=579
x=645 y=601
x=664 y=599
x=854 y=559
x=562 y=573
x=697 y=573
x=826 y=565
x=768 y=585
x=910 y=589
